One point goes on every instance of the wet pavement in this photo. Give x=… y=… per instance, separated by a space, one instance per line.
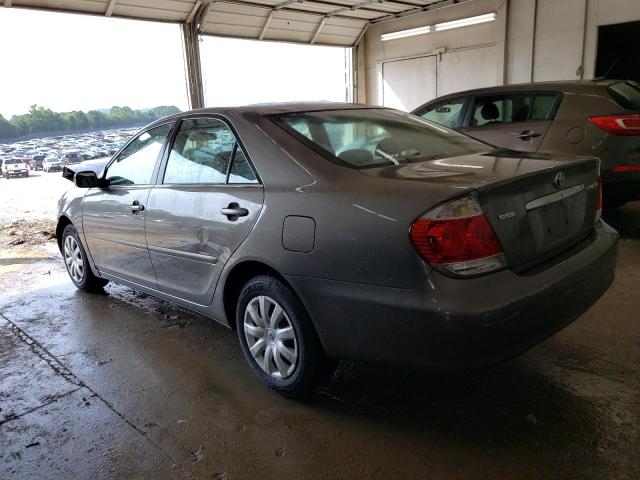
x=120 y=385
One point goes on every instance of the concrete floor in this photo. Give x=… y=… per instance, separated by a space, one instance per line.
x=124 y=386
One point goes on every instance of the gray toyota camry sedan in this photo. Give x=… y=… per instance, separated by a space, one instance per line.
x=337 y=231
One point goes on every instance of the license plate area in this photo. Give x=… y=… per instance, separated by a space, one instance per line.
x=556 y=224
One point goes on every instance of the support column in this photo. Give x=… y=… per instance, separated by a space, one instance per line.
x=193 y=67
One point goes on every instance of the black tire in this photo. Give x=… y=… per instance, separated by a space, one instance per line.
x=312 y=366
x=87 y=281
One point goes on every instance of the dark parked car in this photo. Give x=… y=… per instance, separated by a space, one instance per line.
x=37 y=161
x=71 y=158
x=600 y=118
x=337 y=231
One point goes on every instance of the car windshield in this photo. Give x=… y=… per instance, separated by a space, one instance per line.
x=626 y=94
x=12 y=161
x=364 y=138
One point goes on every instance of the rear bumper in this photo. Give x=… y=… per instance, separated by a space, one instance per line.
x=452 y=324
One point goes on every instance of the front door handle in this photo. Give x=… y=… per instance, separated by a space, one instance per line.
x=233 y=211
x=136 y=207
x=526 y=135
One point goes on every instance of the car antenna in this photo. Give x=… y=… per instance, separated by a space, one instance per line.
x=606 y=75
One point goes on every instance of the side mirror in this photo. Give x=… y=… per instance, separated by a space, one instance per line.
x=87 y=179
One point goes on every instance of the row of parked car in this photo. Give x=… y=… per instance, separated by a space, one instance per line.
x=50 y=154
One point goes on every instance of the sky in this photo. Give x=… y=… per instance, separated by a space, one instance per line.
x=80 y=62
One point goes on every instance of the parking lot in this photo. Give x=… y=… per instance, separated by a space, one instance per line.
x=121 y=383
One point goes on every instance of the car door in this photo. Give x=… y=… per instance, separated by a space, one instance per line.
x=113 y=217
x=449 y=113
x=205 y=205
x=518 y=120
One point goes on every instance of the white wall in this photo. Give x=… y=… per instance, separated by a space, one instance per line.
x=553 y=52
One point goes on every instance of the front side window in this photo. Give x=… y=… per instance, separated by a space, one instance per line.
x=362 y=138
x=201 y=152
x=512 y=108
x=135 y=164
x=445 y=113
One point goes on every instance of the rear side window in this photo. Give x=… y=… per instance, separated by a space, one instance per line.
x=626 y=94
x=445 y=113
x=240 y=171
x=512 y=108
x=204 y=150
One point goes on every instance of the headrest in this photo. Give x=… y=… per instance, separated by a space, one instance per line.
x=490 y=111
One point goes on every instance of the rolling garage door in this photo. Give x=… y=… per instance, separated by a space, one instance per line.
x=407 y=84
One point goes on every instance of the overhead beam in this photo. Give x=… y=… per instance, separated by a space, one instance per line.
x=266 y=24
x=288 y=2
x=201 y=14
x=415 y=11
x=109 y=11
x=352 y=8
x=193 y=12
x=277 y=7
x=361 y=34
x=317 y=32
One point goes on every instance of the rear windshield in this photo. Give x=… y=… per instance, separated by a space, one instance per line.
x=12 y=161
x=366 y=138
x=626 y=94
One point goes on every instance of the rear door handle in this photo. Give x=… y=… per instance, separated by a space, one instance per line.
x=136 y=207
x=526 y=135
x=233 y=211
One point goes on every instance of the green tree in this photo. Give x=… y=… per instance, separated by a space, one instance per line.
x=7 y=130
x=44 y=120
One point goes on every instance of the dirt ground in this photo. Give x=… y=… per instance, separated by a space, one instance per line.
x=120 y=385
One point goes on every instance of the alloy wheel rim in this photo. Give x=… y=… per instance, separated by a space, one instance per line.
x=270 y=337
x=73 y=259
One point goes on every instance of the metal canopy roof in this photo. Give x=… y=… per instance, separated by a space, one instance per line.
x=323 y=22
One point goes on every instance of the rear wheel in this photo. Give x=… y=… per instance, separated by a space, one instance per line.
x=278 y=339
x=77 y=264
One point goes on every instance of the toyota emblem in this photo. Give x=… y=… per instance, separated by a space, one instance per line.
x=559 y=180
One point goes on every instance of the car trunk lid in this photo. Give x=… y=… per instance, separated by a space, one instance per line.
x=538 y=204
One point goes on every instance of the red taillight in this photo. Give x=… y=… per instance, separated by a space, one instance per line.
x=618 y=124
x=626 y=168
x=458 y=237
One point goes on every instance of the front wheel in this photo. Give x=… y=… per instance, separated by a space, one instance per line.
x=77 y=263
x=278 y=339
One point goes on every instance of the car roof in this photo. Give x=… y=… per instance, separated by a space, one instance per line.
x=272 y=109
x=572 y=86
